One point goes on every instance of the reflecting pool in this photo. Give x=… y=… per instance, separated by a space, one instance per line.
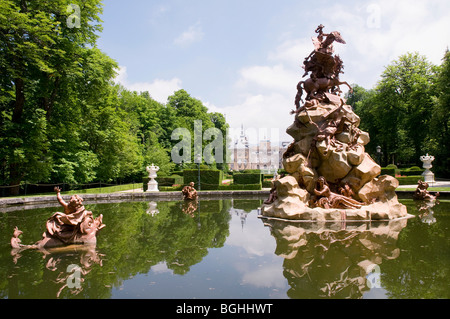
x=222 y=249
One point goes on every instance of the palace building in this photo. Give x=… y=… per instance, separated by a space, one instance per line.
x=265 y=155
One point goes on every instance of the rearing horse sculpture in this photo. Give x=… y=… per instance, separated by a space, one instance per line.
x=314 y=88
x=325 y=68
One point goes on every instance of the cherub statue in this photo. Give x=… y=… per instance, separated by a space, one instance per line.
x=75 y=225
x=189 y=192
x=422 y=192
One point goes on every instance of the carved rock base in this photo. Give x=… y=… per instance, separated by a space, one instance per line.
x=292 y=204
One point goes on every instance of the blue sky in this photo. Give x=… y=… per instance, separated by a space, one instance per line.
x=243 y=57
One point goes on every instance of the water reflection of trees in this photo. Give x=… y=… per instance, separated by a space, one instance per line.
x=422 y=270
x=323 y=261
x=131 y=244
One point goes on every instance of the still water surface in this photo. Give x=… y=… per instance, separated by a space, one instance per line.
x=221 y=249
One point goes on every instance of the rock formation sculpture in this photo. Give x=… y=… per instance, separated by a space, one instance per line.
x=75 y=225
x=330 y=174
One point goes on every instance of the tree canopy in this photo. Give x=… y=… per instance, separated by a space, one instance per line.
x=405 y=112
x=62 y=117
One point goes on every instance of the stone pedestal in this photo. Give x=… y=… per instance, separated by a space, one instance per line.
x=428 y=175
x=152 y=184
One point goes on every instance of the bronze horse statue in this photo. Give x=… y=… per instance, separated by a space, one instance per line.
x=325 y=68
x=315 y=87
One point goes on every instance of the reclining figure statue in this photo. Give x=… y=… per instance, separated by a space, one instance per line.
x=75 y=225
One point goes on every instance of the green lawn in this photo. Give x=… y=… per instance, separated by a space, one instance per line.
x=430 y=189
x=99 y=190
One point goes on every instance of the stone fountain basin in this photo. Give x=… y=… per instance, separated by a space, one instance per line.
x=320 y=215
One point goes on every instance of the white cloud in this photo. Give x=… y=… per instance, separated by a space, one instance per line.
x=261 y=115
x=265 y=277
x=379 y=32
x=159 y=89
x=292 y=52
x=193 y=34
x=274 y=78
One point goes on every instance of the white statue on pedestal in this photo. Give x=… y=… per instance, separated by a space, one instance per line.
x=428 y=175
x=152 y=184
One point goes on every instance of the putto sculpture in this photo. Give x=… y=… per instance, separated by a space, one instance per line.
x=189 y=192
x=422 y=192
x=75 y=225
x=330 y=176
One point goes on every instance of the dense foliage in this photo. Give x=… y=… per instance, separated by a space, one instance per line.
x=64 y=120
x=407 y=112
x=62 y=117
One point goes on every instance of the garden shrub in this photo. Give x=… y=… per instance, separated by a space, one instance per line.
x=209 y=179
x=392 y=166
x=247 y=178
x=175 y=188
x=412 y=171
x=240 y=187
x=163 y=181
x=388 y=171
x=410 y=180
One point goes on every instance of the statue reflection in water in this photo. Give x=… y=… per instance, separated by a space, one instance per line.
x=323 y=261
x=190 y=203
x=65 y=267
x=425 y=202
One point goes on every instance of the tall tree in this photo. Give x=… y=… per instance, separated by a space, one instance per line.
x=38 y=50
x=402 y=106
x=438 y=141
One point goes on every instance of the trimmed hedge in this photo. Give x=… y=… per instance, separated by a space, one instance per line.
x=411 y=172
x=410 y=180
x=392 y=171
x=388 y=171
x=267 y=184
x=171 y=188
x=209 y=179
x=247 y=178
x=250 y=171
x=163 y=181
x=240 y=187
x=249 y=187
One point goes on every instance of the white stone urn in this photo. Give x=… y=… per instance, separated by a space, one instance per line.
x=152 y=184
x=428 y=175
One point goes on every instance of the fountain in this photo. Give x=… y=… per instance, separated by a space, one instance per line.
x=330 y=176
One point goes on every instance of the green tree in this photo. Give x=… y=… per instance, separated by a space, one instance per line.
x=404 y=97
x=397 y=112
x=187 y=110
x=438 y=141
x=38 y=51
x=62 y=118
